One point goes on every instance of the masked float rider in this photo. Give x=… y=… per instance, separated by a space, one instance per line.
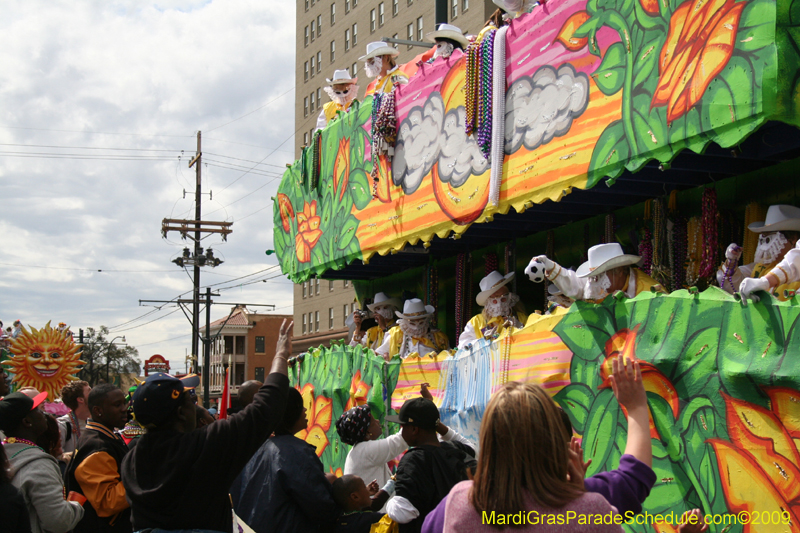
x=383 y=309
x=515 y=8
x=777 y=235
x=379 y=63
x=774 y=267
x=447 y=38
x=608 y=270
x=498 y=316
x=342 y=91
x=413 y=333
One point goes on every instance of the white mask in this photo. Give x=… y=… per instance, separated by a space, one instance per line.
x=597 y=287
x=342 y=97
x=443 y=49
x=373 y=66
x=385 y=312
x=770 y=246
x=414 y=327
x=501 y=306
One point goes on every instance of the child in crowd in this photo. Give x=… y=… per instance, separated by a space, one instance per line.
x=352 y=495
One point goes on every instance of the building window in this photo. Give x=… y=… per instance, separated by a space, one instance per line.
x=305 y=114
x=454 y=13
x=347 y=39
x=259 y=374
x=353 y=307
x=313 y=30
x=347 y=6
x=319 y=66
x=316 y=320
x=395 y=36
x=410 y=35
x=333 y=51
x=410 y=2
x=305 y=71
x=260 y=345
x=313 y=67
x=319 y=103
x=344 y=315
x=305 y=143
x=355 y=34
x=464 y=5
x=380 y=14
x=239 y=345
x=333 y=13
x=330 y=285
x=372 y=21
x=306 y=34
x=313 y=99
x=419 y=29
x=319 y=24
x=317 y=280
x=304 y=283
x=395 y=7
x=354 y=68
x=330 y=318
x=306 y=5
x=344 y=284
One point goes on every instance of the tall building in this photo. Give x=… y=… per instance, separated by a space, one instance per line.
x=331 y=35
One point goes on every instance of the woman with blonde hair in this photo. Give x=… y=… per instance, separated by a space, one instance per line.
x=527 y=478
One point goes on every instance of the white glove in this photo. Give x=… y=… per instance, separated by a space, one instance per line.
x=389 y=487
x=750 y=285
x=734 y=252
x=548 y=264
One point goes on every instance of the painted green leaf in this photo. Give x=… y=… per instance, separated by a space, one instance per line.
x=650 y=127
x=665 y=425
x=670 y=490
x=603 y=418
x=360 y=189
x=588 y=27
x=576 y=399
x=757 y=25
x=728 y=102
x=348 y=232
x=610 y=154
x=645 y=61
x=610 y=75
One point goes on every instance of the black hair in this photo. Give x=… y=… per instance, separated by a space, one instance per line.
x=791 y=235
x=98 y=394
x=343 y=487
x=456 y=45
x=293 y=412
x=50 y=440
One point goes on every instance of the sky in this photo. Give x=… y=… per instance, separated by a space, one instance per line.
x=100 y=104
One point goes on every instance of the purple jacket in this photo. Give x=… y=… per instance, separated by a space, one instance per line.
x=625 y=488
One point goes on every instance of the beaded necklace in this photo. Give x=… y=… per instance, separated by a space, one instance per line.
x=678 y=254
x=485 y=94
x=461 y=264
x=610 y=226
x=646 y=251
x=693 y=257
x=709 y=261
x=15 y=440
x=471 y=85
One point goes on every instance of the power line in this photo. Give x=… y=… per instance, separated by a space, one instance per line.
x=246 y=160
x=94 y=148
x=247 y=144
x=253 y=111
x=95 y=132
x=148 y=322
x=87 y=269
x=164 y=340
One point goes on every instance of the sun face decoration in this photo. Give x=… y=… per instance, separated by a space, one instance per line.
x=44 y=359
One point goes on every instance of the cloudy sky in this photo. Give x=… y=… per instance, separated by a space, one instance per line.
x=100 y=102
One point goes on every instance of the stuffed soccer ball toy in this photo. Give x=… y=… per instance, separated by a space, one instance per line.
x=535 y=271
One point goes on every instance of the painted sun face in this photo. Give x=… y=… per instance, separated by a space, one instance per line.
x=44 y=359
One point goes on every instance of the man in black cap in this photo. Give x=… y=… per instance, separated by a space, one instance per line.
x=430 y=468
x=36 y=472
x=173 y=456
x=94 y=470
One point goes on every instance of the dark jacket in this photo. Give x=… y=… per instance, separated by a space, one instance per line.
x=426 y=474
x=283 y=489
x=13 y=511
x=181 y=480
x=94 y=472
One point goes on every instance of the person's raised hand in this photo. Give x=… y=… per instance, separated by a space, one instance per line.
x=750 y=285
x=424 y=392
x=575 y=469
x=627 y=384
x=575 y=446
x=284 y=346
x=692 y=522
x=381 y=320
x=358 y=318
x=549 y=264
x=373 y=487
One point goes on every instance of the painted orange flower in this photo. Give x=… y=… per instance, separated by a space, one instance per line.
x=358 y=392
x=382 y=189
x=623 y=343
x=286 y=210
x=319 y=411
x=700 y=42
x=566 y=33
x=763 y=454
x=308 y=232
x=341 y=167
x=650 y=6
x=338 y=472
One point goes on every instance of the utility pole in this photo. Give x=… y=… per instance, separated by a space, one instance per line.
x=196 y=258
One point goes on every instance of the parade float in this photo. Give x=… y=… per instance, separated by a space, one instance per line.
x=664 y=125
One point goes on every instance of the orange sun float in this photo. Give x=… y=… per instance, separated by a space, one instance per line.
x=44 y=359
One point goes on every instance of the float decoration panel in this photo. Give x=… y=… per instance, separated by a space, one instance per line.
x=722 y=380
x=593 y=87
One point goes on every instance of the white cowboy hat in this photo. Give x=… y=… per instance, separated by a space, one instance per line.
x=341 y=76
x=379 y=48
x=490 y=284
x=448 y=31
x=553 y=290
x=382 y=299
x=779 y=218
x=603 y=258
x=414 y=308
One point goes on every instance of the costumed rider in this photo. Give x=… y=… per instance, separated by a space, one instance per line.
x=608 y=270
x=413 y=333
x=776 y=236
x=498 y=316
x=447 y=38
x=379 y=63
x=515 y=8
x=342 y=91
x=383 y=309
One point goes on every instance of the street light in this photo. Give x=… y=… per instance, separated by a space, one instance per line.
x=108 y=359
